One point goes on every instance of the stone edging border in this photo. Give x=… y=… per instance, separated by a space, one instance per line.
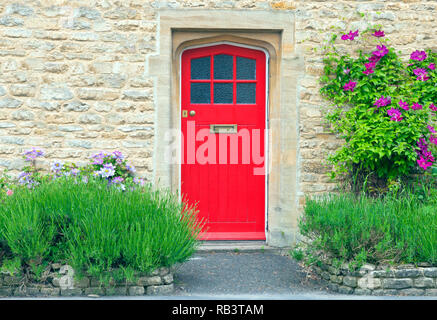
x=61 y=282
x=402 y=280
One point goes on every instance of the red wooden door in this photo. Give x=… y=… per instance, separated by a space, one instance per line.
x=223 y=92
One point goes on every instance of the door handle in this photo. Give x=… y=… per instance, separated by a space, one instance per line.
x=192 y=113
x=223 y=128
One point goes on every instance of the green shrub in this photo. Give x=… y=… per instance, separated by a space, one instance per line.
x=393 y=229
x=96 y=227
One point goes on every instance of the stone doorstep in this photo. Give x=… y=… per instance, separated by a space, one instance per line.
x=238 y=246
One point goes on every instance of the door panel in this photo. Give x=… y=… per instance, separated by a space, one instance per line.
x=225 y=85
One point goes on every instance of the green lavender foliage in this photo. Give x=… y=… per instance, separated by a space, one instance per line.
x=97 y=228
x=397 y=228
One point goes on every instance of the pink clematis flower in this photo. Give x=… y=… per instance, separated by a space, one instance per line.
x=418 y=55
x=369 y=68
x=424 y=163
x=350 y=36
x=404 y=105
x=382 y=102
x=378 y=34
x=416 y=106
x=431 y=66
x=350 y=86
x=380 y=51
x=9 y=192
x=421 y=74
x=395 y=114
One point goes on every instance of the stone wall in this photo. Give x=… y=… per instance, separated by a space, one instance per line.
x=404 y=280
x=74 y=74
x=61 y=281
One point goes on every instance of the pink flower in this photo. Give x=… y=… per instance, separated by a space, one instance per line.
x=421 y=74
x=418 y=55
x=416 y=106
x=431 y=66
x=433 y=107
x=433 y=139
x=378 y=34
x=419 y=71
x=382 y=102
x=347 y=70
x=349 y=86
x=423 y=77
x=345 y=37
x=424 y=163
x=404 y=105
x=10 y=192
x=431 y=129
x=350 y=36
x=369 y=67
x=374 y=59
x=395 y=114
x=381 y=51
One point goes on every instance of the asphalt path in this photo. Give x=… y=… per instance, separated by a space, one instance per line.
x=245 y=273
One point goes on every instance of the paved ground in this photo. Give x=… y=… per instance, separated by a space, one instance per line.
x=243 y=276
x=244 y=273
